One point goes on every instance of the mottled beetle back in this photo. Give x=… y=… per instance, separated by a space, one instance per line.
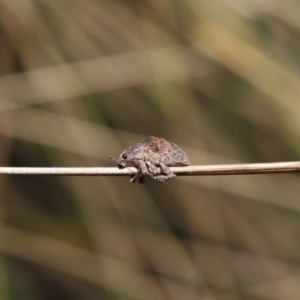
x=153 y=157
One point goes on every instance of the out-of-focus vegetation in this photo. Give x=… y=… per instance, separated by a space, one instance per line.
x=81 y=80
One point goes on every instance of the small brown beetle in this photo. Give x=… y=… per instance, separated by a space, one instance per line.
x=153 y=157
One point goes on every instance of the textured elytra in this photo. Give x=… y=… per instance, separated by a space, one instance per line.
x=153 y=157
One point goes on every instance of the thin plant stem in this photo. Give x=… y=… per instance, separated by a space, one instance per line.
x=201 y=170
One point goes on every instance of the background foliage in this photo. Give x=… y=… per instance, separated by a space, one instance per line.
x=82 y=80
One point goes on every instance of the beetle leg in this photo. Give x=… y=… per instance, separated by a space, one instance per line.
x=160 y=178
x=152 y=168
x=143 y=167
x=142 y=170
x=141 y=179
x=146 y=168
x=135 y=176
x=167 y=171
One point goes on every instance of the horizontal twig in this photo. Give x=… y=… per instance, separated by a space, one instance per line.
x=235 y=169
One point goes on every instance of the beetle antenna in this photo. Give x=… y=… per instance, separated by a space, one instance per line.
x=110 y=157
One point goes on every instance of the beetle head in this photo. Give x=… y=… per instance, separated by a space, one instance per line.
x=122 y=160
x=130 y=154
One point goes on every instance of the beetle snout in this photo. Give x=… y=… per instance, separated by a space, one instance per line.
x=122 y=164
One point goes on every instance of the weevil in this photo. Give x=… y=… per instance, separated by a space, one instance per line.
x=153 y=157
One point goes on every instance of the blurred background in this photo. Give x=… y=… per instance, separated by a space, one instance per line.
x=82 y=80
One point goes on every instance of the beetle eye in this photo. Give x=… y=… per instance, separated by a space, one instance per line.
x=124 y=156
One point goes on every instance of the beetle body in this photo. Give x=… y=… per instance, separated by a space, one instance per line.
x=153 y=157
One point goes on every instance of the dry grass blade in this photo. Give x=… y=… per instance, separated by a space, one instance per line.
x=236 y=169
x=82 y=80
